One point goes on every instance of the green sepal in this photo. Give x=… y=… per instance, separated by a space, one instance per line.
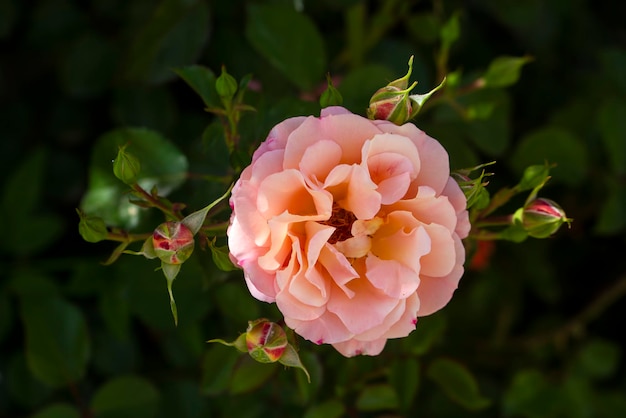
x=418 y=100
x=147 y=249
x=117 y=252
x=290 y=358
x=195 y=220
x=171 y=271
x=331 y=96
x=239 y=343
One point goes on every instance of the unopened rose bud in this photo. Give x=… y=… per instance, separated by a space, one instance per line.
x=92 y=228
x=543 y=217
x=391 y=103
x=126 y=166
x=226 y=85
x=173 y=242
x=266 y=341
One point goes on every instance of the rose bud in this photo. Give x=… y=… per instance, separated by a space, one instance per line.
x=392 y=104
x=173 y=242
x=543 y=217
x=126 y=166
x=266 y=341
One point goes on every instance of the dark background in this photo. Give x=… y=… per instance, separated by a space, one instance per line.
x=538 y=329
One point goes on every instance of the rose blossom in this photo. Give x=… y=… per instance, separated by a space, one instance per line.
x=353 y=227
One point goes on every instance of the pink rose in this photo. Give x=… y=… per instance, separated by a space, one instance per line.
x=353 y=227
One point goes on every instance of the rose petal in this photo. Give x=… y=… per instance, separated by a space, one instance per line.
x=355 y=347
x=287 y=192
x=435 y=292
x=393 y=278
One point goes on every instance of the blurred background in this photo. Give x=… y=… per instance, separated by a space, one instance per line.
x=534 y=330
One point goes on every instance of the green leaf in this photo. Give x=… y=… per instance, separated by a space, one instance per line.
x=58 y=410
x=377 y=398
x=457 y=383
x=504 y=71
x=529 y=395
x=333 y=408
x=217 y=369
x=534 y=176
x=598 y=359
x=57 y=345
x=174 y=35
x=289 y=41
x=221 y=258
x=553 y=145
x=405 y=378
x=126 y=397
x=202 y=81
x=249 y=375
x=162 y=166
x=612 y=126
x=450 y=31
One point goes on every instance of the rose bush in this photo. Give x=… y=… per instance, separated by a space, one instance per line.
x=352 y=226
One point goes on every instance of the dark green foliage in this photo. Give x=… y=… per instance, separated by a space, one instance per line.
x=536 y=331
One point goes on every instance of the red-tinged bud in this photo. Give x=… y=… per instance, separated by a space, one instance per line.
x=543 y=217
x=173 y=242
x=266 y=341
x=391 y=103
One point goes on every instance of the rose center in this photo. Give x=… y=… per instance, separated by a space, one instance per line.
x=342 y=220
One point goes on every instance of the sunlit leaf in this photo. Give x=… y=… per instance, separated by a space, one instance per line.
x=162 y=166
